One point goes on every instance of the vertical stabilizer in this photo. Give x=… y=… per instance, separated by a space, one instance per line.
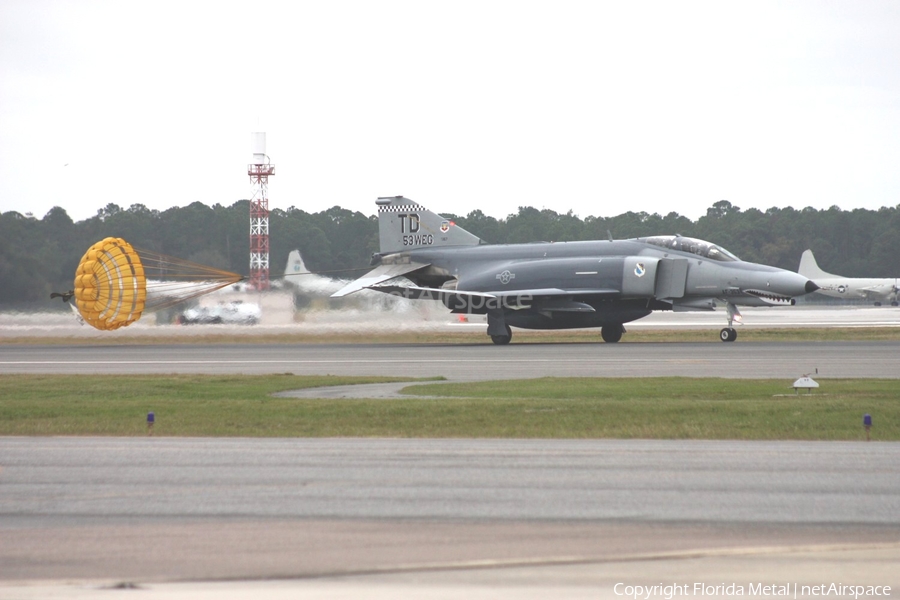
x=810 y=269
x=295 y=268
x=406 y=225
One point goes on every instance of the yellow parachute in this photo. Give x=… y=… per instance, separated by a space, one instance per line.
x=115 y=285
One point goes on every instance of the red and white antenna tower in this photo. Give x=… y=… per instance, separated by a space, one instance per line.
x=259 y=171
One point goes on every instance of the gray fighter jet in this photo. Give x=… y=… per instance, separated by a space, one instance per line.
x=564 y=285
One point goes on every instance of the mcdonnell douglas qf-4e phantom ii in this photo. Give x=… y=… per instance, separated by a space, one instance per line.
x=564 y=285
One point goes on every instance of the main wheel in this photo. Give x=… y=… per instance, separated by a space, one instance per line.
x=502 y=340
x=612 y=333
x=728 y=334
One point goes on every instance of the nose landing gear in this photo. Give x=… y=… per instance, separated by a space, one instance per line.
x=729 y=334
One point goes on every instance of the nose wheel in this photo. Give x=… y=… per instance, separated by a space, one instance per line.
x=729 y=334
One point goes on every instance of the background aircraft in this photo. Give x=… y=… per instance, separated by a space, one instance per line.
x=563 y=285
x=308 y=287
x=312 y=290
x=875 y=289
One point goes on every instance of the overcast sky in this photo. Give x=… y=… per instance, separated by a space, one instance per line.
x=598 y=107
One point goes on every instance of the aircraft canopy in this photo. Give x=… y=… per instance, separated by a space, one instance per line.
x=692 y=245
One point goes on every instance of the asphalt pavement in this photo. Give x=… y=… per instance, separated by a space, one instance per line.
x=235 y=518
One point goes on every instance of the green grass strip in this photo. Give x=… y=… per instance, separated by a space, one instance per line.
x=653 y=408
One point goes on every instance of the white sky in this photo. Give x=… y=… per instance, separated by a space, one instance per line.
x=599 y=107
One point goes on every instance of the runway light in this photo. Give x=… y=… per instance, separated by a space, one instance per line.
x=867 y=423
x=151 y=418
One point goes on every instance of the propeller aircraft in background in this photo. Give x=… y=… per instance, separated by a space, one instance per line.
x=877 y=290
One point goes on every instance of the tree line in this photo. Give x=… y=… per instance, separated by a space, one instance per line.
x=38 y=256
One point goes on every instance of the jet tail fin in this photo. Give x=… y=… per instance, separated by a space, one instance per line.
x=809 y=268
x=406 y=225
x=295 y=267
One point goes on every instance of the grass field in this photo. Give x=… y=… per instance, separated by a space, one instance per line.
x=675 y=408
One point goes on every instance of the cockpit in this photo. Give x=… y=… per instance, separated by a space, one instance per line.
x=692 y=245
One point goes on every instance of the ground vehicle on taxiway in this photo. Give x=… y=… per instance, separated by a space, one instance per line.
x=228 y=313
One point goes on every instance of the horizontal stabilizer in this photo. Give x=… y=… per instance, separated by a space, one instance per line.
x=376 y=276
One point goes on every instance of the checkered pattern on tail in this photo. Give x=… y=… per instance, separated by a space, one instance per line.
x=404 y=208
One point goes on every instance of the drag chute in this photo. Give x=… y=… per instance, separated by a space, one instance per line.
x=115 y=284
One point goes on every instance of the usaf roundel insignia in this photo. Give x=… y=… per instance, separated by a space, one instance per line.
x=445 y=226
x=505 y=276
x=639 y=269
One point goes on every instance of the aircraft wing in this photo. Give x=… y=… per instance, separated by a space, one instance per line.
x=378 y=275
x=554 y=292
x=557 y=295
x=878 y=290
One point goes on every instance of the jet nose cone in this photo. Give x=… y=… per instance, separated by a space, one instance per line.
x=791 y=284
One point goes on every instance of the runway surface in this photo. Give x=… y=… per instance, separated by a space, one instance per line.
x=144 y=479
x=425 y=318
x=463 y=362
x=154 y=510
x=446 y=518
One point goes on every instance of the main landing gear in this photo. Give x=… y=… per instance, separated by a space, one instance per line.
x=612 y=333
x=502 y=340
x=499 y=331
x=729 y=334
